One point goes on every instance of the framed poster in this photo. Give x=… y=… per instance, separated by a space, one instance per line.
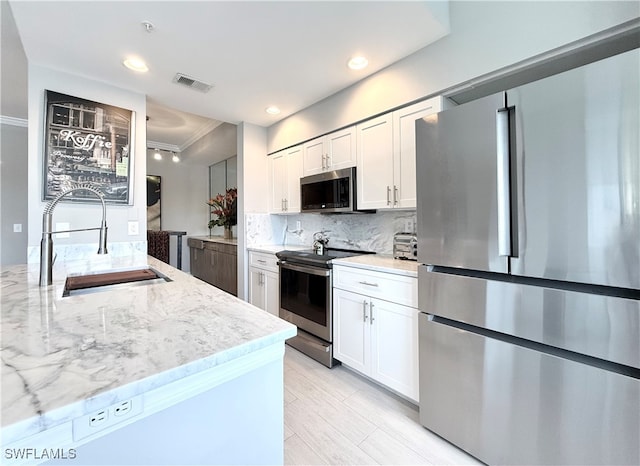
x=154 y=193
x=87 y=142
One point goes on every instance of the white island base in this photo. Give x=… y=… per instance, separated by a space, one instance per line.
x=229 y=414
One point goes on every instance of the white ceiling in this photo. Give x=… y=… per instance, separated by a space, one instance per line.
x=174 y=130
x=256 y=54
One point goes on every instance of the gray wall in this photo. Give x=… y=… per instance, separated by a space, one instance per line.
x=13 y=194
x=218 y=144
x=13 y=141
x=185 y=190
x=185 y=185
x=13 y=95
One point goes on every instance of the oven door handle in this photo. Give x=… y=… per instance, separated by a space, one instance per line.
x=305 y=269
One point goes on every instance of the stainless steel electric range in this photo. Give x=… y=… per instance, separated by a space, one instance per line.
x=306 y=299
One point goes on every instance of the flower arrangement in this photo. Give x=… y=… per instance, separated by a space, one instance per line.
x=224 y=206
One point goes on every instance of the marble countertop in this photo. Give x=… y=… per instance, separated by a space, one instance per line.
x=273 y=248
x=216 y=239
x=64 y=357
x=381 y=263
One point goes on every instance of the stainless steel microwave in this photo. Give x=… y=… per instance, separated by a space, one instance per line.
x=333 y=191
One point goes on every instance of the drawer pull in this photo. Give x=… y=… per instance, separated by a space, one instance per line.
x=368 y=284
x=261 y=261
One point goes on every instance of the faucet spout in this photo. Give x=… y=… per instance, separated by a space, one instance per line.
x=46 y=244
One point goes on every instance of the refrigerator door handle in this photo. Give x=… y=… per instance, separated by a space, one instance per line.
x=503 y=180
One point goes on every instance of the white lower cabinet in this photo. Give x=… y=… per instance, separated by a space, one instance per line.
x=264 y=282
x=374 y=336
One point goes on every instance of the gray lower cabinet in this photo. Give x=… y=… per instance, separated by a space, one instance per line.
x=215 y=263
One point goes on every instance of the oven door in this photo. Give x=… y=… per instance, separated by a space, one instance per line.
x=305 y=298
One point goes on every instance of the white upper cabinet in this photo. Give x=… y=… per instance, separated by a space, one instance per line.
x=331 y=152
x=285 y=170
x=375 y=163
x=387 y=157
x=404 y=149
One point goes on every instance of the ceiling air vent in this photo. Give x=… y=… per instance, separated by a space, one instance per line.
x=191 y=83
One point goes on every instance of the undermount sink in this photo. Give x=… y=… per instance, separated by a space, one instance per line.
x=94 y=282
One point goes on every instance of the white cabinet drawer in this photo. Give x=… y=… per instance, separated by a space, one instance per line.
x=263 y=260
x=388 y=286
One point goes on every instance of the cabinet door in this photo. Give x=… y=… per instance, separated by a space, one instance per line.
x=224 y=272
x=209 y=273
x=341 y=149
x=351 y=329
x=314 y=157
x=271 y=286
x=404 y=149
x=375 y=163
x=277 y=181
x=256 y=288
x=294 y=172
x=394 y=346
x=196 y=257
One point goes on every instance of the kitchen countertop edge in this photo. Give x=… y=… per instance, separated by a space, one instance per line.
x=381 y=263
x=273 y=248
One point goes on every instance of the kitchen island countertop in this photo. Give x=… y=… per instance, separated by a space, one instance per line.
x=63 y=357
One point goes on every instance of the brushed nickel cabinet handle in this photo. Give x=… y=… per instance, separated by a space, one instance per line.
x=371 y=308
x=368 y=284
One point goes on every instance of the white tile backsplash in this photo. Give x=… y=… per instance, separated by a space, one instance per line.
x=370 y=232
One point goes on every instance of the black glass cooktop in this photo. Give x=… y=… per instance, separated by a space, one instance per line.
x=308 y=256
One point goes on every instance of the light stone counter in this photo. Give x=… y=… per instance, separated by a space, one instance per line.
x=273 y=248
x=216 y=239
x=66 y=357
x=381 y=263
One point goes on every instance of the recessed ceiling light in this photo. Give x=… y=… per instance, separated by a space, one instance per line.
x=272 y=110
x=136 y=64
x=357 y=63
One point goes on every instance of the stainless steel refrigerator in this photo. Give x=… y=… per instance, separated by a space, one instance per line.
x=529 y=283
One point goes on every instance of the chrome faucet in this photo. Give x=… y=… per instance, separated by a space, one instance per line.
x=46 y=244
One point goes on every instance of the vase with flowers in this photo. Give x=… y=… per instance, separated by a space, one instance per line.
x=224 y=208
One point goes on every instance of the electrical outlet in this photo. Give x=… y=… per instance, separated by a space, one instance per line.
x=408 y=226
x=132 y=228
x=99 y=418
x=17 y=227
x=106 y=418
x=122 y=409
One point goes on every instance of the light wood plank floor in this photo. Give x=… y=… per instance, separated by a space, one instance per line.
x=335 y=416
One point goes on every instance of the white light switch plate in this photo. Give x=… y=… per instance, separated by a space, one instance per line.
x=17 y=227
x=132 y=228
x=408 y=226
